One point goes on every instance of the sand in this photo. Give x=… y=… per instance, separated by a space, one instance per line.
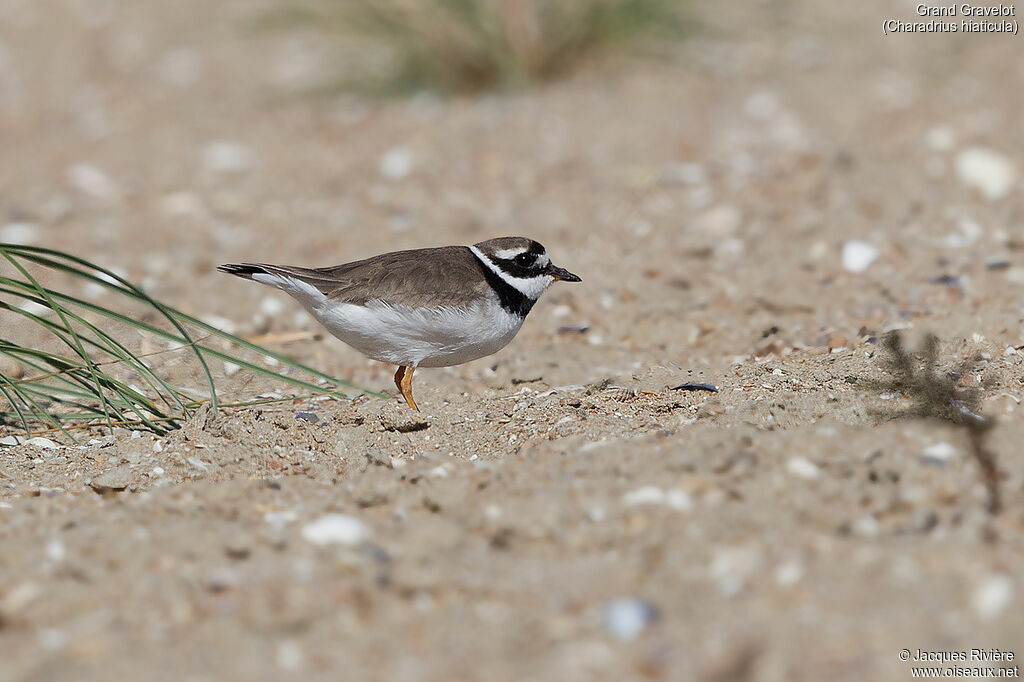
x=753 y=212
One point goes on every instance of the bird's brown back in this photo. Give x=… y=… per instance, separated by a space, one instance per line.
x=448 y=275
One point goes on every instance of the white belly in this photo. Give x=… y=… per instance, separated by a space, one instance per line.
x=420 y=337
x=417 y=337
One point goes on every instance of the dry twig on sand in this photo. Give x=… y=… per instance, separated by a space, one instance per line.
x=942 y=397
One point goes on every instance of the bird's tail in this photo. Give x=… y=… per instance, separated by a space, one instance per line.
x=244 y=270
x=295 y=281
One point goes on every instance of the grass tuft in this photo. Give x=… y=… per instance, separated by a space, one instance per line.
x=941 y=397
x=476 y=45
x=86 y=375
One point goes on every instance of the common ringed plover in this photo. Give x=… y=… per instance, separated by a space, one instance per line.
x=424 y=307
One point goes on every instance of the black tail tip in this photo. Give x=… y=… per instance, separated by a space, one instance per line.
x=240 y=270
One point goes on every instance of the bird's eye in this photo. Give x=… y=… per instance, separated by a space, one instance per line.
x=524 y=259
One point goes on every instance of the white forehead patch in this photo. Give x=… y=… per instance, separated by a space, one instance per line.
x=509 y=254
x=543 y=260
x=531 y=287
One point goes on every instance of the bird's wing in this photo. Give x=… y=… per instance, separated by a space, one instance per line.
x=449 y=275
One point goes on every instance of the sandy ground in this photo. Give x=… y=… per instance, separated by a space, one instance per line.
x=557 y=511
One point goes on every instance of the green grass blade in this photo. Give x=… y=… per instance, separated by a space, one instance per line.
x=110 y=345
x=126 y=288
x=17 y=410
x=75 y=389
x=71 y=332
x=42 y=413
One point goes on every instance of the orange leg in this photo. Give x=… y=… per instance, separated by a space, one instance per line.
x=403 y=379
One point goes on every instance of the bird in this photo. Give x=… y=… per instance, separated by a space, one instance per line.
x=431 y=307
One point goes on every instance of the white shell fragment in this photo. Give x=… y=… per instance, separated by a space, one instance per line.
x=858 y=255
x=626 y=618
x=938 y=453
x=803 y=467
x=92 y=182
x=45 y=443
x=992 y=596
x=335 y=529
x=395 y=164
x=646 y=495
x=228 y=157
x=19 y=233
x=673 y=499
x=986 y=170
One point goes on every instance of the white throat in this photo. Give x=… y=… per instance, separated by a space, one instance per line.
x=531 y=287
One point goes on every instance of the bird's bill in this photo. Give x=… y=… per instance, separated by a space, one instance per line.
x=562 y=275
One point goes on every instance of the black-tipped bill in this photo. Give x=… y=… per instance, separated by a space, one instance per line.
x=562 y=275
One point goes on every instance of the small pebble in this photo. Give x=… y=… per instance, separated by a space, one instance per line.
x=992 y=596
x=858 y=256
x=335 y=529
x=181 y=205
x=19 y=233
x=646 y=495
x=41 y=442
x=938 y=454
x=55 y=550
x=561 y=310
x=278 y=519
x=711 y=388
x=732 y=567
x=941 y=138
x=837 y=342
x=987 y=171
x=1013 y=275
x=37 y=309
x=222 y=579
x=803 y=467
x=947 y=280
x=763 y=105
x=15 y=599
x=866 y=526
x=311 y=417
x=92 y=182
x=198 y=464
x=720 y=221
x=227 y=157
x=678 y=500
x=395 y=164
x=289 y=656
x=626 y=618
x=673 y=499
x=238 y=547
x=112 y=481
x=789 y=573
x=271 y=306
